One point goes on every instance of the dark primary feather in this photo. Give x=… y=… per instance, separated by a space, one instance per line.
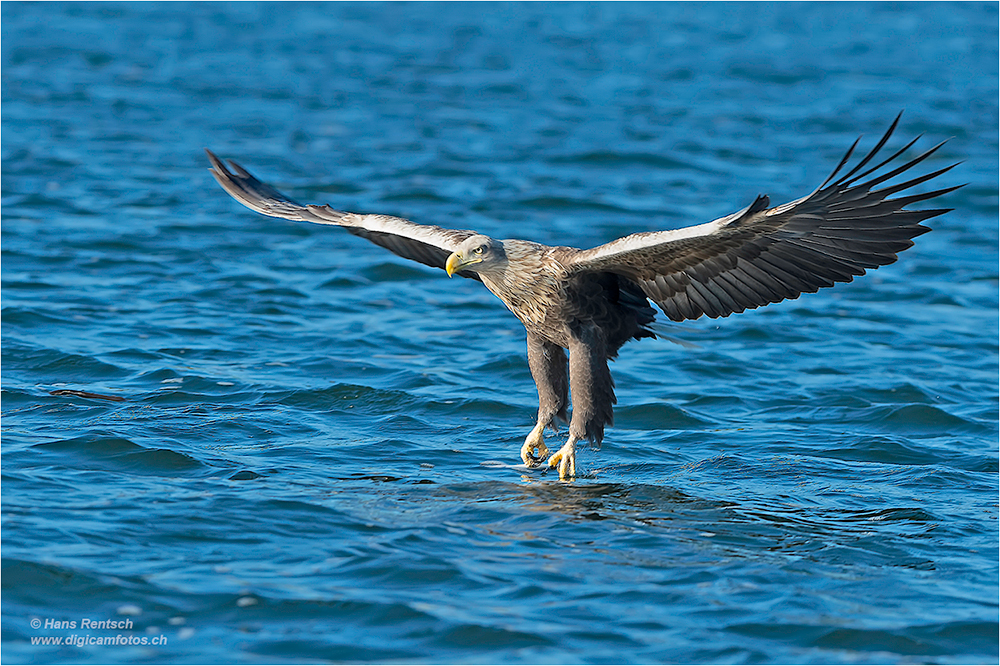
x=427 y=244
x=763 y=255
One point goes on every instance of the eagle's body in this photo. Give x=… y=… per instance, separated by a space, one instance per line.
x=591 y=302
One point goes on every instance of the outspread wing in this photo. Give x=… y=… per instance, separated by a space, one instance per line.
x=762 y=255
x=427 y=244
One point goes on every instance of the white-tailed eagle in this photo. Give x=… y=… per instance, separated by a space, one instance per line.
x=591 y=302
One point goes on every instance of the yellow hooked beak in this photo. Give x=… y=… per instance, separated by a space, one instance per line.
x=456 y=263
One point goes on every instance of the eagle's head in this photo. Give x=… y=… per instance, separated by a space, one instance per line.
x=479 y=254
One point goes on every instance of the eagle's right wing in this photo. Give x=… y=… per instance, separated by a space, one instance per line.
x=430 y=245
x=762 y=255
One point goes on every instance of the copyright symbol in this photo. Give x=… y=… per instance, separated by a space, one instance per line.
x=35 y=623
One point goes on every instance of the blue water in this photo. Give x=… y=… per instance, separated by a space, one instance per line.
x=295 y=474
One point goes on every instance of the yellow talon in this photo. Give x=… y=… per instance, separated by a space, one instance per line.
x=565 y=459
x=535 y=440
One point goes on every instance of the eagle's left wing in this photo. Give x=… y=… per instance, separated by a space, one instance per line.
x=762 y=255
x=430 y=245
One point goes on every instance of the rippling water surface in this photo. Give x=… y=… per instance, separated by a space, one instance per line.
x=295 y=472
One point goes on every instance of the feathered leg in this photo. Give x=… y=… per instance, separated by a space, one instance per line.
x=548 y=368
x=593 y=396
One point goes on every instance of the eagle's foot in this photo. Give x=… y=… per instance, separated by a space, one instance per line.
x=565 y=459
x=535 y=440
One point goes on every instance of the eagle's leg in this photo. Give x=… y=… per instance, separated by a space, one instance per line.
x=548 y=368
x=593 y=395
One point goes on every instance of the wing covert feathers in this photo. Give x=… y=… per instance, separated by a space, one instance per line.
x=763 y=255
x=429 y=245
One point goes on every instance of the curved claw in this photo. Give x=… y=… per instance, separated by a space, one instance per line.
x=565 y=459
x=534 y=440
x=532 y=460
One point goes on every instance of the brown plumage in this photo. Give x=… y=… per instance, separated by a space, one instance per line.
x=591 y=302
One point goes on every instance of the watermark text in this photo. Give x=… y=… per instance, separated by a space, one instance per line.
x=83 y=623
x=82 y=640
x=82 y=626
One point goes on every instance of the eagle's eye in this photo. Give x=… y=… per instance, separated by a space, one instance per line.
x=478 y=250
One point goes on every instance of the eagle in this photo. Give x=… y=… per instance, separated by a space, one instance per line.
x=588 y=303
